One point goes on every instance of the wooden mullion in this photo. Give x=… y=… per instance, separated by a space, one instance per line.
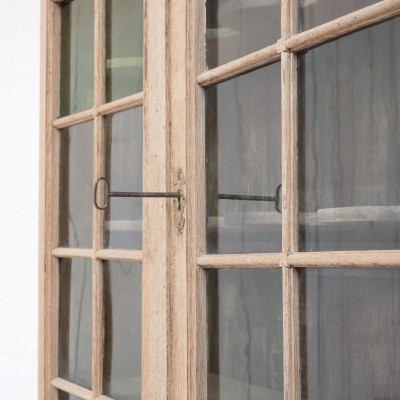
x=122 y=255
x=98 y=216
x=135 y=100
x=72 y=388
x=344 y=25
x=241 y=65
x=67 y=252
x=290 y=278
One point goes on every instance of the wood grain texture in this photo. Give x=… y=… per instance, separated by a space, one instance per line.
x=71 y=388
x=347 y=259
x=258 y=260
x=124 y=104
x=344 y=25
x=111 y=254
x=73 y=119
x=155 y=221
x=239 y=66
x=66 y=252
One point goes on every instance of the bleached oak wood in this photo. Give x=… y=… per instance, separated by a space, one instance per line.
x=126 y=103
x=345 y=259
x=66 y=252
x=239 y=66
x=72 y=388
x=103 y=398
x=127 y=255
x=177 y=238
x=98 y=216
x=344 y=25
x=258 y=260
x=74 y=119
x=48 y=271
x=155 y=302
x=196 y=204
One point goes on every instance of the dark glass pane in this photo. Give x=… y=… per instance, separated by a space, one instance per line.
x=236 y=28
x=123 y=330
x=76 y=181
x=124 y=159
x=316 y=12
x=350 y=331
x=124 y=49
x=243 y=156
x=245 y=337
x=67 y=396
x=77 y=56
x=75 y=321
x=349 y=142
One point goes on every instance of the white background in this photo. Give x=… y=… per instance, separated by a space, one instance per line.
x=19 y=148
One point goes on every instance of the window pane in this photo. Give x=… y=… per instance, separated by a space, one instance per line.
x=124 y=48
x=243 y=156
x=76 y=185
x=316 y=12
x=124 y=159
x=236 y=28
x=75 y=321
x=123 y=335
x=350 y=330
x=245 y=337
x=67 y=396
x=77 y=56
x=349 y=142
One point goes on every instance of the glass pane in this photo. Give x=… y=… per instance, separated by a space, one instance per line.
x=243 y=157
x=123 y=335
x=236 y=28
x=124 y=48
x=124 y=159
x=350 y=331
x=75 y=321
x=316 y=12
x=67 y=396
x=77 y=56
x=349 y=142
x=76 y=182
x=245 y=336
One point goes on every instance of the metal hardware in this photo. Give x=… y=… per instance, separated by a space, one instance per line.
x=275 y=199
x=108 y=194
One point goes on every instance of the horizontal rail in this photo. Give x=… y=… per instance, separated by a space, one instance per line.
x=343 y=25
x=261 y=260
x=65 y=252
x=128 y=255
x=126 y=103
x=74 y=119
x=346 y=259
x=241 y=65
x=72 y=388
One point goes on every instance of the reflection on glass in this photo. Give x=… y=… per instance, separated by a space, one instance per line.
x=76 y=180
x=77 y=56
x=350 y=330
x=124 y=155
x=236 y=28
x=243 y=156
x=123 y=335
x=245 y=338
x=316 y=12
x=349 y=142
x=124 y=48
x=75 y=321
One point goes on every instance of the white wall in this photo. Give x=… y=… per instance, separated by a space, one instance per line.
x=19 y=144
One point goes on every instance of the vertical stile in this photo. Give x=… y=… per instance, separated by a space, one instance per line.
x=98 y=216
x=49 y=197
x=196 y=204
x=155 y=211
x=290 y=212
